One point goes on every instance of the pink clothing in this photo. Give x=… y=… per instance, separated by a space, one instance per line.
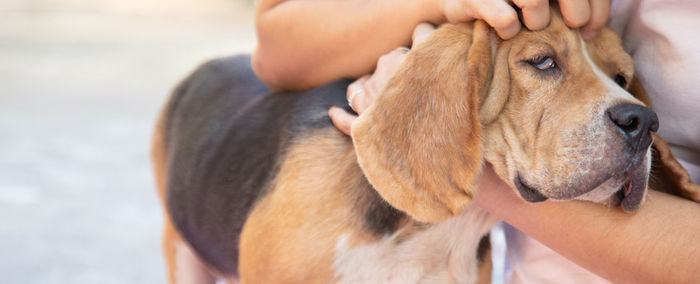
x=663 y=38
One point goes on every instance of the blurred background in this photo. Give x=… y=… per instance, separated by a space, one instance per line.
x=81 y=82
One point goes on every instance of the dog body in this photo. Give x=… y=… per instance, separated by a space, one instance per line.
x=262 y=187
x=361 y=238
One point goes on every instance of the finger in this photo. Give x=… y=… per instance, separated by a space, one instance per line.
x=397 y=52
x=535 y=13
x=388 y=63
x=600 y=12
x=355 y=87
x=363 y=100
x=459 y=11
x=357 y=94
x=576 y=13
x=341 y=119
x=501 y=16
x=421 y=33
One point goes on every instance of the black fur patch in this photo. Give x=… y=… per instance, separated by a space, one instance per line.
x=380 y=217
x=483 y=248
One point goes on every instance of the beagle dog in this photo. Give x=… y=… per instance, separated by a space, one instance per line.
x=259 y=187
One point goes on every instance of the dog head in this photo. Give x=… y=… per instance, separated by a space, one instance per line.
x=551 y=112
x=567 y=128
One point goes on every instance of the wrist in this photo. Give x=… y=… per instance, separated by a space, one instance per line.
x=494 y=195
x=432 y=11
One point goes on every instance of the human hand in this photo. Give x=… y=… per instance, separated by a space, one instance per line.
x=589 y=15
x=362 y=92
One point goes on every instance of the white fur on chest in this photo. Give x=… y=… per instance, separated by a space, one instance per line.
x=443 y=253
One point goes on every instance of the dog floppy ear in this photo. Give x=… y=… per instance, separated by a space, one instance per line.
x=668 y=175
x=419 y=144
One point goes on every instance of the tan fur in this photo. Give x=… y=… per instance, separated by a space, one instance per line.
x=170 y=238
x=551 y=128
x=305 y=210
x=434 y=120
x=669 y=176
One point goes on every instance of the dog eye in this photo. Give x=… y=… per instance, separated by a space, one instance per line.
x=543 y=63
x=620 y=80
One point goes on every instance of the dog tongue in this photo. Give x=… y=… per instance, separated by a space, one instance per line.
x=628 y=188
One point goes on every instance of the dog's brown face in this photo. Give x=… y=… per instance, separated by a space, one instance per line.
x=549 y=111
x=566 y=126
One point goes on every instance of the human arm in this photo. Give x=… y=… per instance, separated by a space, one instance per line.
x=305 y=43
x=657 y=244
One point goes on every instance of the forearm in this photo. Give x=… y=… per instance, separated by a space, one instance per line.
x=305 y=43
x=657 y=244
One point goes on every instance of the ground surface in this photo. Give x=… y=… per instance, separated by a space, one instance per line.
x=81 y=82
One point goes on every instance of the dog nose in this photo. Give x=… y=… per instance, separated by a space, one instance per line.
x=635 y=123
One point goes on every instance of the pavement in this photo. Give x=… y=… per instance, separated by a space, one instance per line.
x=81 y=82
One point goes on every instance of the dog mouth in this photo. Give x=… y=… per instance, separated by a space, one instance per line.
x=527 y=192
x=619 y=196
x=626 y=189
x=631 y=194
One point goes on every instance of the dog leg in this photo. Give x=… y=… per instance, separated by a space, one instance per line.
x=485 y=266
x=188 y=267
x=182 y=265
x=169 y=244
